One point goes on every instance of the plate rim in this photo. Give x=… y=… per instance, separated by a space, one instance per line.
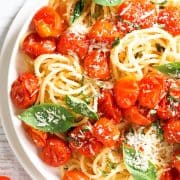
x=5 y=57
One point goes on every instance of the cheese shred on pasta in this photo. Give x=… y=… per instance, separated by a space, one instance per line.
x=136 y=54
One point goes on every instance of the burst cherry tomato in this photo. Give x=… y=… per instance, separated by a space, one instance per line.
x=103 y=31
x=137 y=14
x=171 y=131
x=24 y=90
x=170 y=18
x=176 y=160
x=133 y=115
x=152 y=88
x=96 y=65
x=71 y=42
x=106 y=132
x=56 y=152
x=82 y=141
x=38 y=137
x=171 y=174
x=107 y=106
x=168 y=108
x=75 y=175
x=175 y=89
x=4 y=178
x=47 y=22
x=33 y=45
x=126 y=91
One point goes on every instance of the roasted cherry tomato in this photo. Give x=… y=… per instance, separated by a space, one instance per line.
x=75 y=175
x=106 y=132
x=56 y=152
x=47 y=22
x=107 y=106
x=33 y=45
x=135 y=14
x=152 y=88
x=126 y=91
x=175 y=89
x=71 y=42
x=133 y=115
x=38 y=137
x=24 y=90
x=82 y=141
x=168 y=108
x=170 y=18
x=171 y=131
x=170 y=174
x=103 y=31
x=176 y=160
x=4 y=178
x=96 y=65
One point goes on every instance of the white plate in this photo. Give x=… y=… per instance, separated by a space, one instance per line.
x=10 y=63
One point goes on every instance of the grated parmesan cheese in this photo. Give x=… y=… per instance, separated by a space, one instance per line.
x=152 y=147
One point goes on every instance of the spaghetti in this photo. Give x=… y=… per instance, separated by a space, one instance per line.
x=97 y=70
x=138 y=51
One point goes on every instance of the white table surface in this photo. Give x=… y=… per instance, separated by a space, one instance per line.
x=8 y=163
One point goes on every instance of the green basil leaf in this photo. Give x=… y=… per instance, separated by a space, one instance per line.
x=80 y=107
x=108 y=2
x=140 y=168
x=172 y=69
x=116 y=42
x=48 y=118
x=159 y=130
x=78 y=10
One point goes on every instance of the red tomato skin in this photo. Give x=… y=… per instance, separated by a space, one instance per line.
x=96 y=64
x=84 y=142
x=176 y=161
x=133 y=115
x=24 y=90
x=56 y=152
x=170 y=18
x=126 y=91
x=38 y=137
x=168 y=110
x=135 y=12
x=106 y=132
x=103 y=31
x=33 y=45
x=171 y=131
x=170 y=174
x=107 y=106
x=70 y=42
x=4 y=178
x=47 y=22
x=152 y=88
x=75 y=175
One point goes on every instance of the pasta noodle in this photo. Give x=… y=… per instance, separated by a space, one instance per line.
x=139 y=50
x=62 y=75
x=106 y=165
x=135 y=54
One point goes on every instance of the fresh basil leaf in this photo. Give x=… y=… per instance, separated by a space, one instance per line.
x=108 y=2
x=172 y=69
x=78 y=10
x=116 y=42
x=48 y=118
x=80 y=107
x=159 y=130
x=140 y=168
